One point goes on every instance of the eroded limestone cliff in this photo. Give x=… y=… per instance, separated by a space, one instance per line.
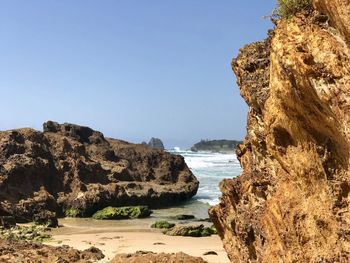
x=291 y=203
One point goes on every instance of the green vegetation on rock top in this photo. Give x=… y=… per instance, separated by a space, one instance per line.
x=288 y=8
x=125 y=212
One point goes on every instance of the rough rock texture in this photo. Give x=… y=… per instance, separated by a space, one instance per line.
x=46 y=218
x=191 y=231
x=74 y=170
x=291 y=203
x=24 y=252
x=156 y=143
x=142 y=256
x=125 y=212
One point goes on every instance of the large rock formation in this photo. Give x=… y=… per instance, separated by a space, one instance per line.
x=74 y=170
x=291 y=203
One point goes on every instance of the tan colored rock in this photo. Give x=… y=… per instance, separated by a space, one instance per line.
x=339 y=14
x=291 y=203
x=142 y=256
x=21 y=251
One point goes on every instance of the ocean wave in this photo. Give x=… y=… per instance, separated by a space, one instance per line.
x=200 y=161
x=210 y=169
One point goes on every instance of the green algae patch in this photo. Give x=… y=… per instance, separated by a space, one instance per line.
x=191 y=231
x=71 y=212
x=126 y=212
x=213 y=230
x=28 y=233
x=162 y=225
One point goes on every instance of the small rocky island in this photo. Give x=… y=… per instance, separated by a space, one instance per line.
x=220 y=146
x=155 y=143
x=71 y=170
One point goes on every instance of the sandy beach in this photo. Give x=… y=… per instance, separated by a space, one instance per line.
x=128 y=237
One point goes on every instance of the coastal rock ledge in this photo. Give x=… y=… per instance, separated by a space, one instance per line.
x=74 y=171
x=291 y=203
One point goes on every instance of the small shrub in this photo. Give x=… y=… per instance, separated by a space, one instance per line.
x=288 y=8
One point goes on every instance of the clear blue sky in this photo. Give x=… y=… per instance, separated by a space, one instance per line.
x=132 y=69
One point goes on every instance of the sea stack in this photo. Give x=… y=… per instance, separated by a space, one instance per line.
x=156 y=143
x=73 y=170
x=291 y=203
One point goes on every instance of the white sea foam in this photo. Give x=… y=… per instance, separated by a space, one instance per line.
x=210 y=169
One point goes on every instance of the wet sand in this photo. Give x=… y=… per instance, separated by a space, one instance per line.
x=129 y=236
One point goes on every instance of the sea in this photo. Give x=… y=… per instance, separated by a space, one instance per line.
x=209 y=168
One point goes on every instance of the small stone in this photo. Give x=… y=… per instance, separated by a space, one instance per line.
x=210 y=253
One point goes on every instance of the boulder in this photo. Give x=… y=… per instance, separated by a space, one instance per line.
x=192 y=231
x=127 y=212
x=46 y=218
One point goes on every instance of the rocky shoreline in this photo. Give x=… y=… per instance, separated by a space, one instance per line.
x=71 y=170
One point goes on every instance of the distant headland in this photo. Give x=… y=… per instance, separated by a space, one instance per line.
x=221 y=146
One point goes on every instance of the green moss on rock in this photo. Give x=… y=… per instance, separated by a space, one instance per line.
x=192 y=231
x=29 y=233
x=213 y=230
x=126 y=212
x=162 y=225
x=71 y=212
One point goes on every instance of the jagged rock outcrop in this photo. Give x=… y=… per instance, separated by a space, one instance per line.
x=74 y=170
x=21 y=251
x=291 y=203
x=156 y=143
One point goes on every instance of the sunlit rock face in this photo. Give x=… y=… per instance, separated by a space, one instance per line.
x=291 y=203
x=73 y=170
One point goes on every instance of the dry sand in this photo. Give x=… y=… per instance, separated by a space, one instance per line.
x=113 y=239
